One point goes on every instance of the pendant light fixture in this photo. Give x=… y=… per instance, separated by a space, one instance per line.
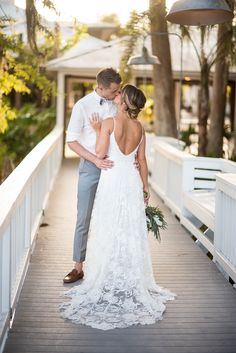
x=144 y=59
x=199 y=12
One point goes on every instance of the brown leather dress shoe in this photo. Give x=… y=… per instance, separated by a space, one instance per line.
x=73 y=276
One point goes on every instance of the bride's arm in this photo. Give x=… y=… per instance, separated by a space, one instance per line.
x=143 y=169
x=103 y=130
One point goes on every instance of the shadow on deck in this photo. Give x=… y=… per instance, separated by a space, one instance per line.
x=201 y=320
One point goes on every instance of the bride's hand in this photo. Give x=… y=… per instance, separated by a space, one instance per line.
x=146 y=196
x=95 y=121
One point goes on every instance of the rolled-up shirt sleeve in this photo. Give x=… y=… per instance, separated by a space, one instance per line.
x=76 y=123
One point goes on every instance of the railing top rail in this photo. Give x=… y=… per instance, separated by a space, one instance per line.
x=13 y=187
x=181 y=157
x=171 y=152
x=227 y=182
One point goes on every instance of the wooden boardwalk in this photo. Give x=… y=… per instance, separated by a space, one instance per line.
x=201 y=320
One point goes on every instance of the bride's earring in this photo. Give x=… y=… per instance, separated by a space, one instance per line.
x=124 y=107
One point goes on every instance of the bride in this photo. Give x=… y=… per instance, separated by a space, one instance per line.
x=119 y=289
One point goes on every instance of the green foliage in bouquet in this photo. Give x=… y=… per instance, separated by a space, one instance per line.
x=155 y=221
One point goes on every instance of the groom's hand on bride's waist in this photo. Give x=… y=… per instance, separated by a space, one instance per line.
x=104 y=163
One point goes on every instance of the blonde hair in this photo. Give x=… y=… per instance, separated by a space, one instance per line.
x=134 y=100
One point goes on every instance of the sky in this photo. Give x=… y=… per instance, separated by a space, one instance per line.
x=89 y=11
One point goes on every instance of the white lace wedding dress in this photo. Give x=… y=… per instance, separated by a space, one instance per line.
x=119 y=289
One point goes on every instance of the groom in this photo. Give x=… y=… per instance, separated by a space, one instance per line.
x=81 y=138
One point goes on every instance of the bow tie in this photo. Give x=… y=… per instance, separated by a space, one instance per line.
x=102 y=101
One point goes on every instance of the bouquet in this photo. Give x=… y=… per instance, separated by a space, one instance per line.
x=155 y=220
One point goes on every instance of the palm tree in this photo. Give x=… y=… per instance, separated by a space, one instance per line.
x=220 y=79
x=205 y=62
x=141 y=24
x=164 y=97
x=225 y=52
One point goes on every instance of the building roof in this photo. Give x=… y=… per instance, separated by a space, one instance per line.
x=9 y=11
x=90 y=55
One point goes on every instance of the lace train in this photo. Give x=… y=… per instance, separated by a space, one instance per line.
x=116 y=308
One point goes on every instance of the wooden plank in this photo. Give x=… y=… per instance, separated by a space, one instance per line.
x=188 y=302
x=166 y=326
x=143 y=349
x=205 y=173
x=204 y=184
x=132 y=342
x=28 y=331
x=114 y=339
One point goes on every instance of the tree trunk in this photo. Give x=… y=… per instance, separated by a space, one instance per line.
x=164 y=97
x=232 y=100
x=233 y=118
x=203 y=108
x=216 y=131
x=17 y=100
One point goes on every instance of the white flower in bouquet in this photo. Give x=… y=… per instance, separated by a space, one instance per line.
x=155 y=221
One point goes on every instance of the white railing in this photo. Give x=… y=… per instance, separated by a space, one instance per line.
x=201 y=192
x=225 y=233
x=23 y=197
x=168 y=174
x=151 y=140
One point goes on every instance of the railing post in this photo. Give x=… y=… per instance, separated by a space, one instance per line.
x=225 y=211
x=60 y=99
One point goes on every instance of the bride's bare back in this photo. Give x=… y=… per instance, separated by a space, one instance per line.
x=127 y=133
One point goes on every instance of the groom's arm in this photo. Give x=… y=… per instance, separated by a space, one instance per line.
x=84 y=153
x=73 y=134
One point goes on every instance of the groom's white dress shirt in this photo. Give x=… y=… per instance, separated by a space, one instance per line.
x=79 y=128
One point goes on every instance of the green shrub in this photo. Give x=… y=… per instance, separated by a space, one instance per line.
x=31 y=125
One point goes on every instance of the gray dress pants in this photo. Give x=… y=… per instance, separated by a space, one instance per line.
x=89 y=176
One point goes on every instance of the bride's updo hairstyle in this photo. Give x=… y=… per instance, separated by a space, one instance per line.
x=134 y=100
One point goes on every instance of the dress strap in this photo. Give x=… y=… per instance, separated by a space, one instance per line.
x=143 y=132
x=114 y=124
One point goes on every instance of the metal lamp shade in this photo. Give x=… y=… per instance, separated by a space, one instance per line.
x=144 y=59
x=199 y=12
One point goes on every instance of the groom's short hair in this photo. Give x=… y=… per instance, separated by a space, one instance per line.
x=107 y=76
